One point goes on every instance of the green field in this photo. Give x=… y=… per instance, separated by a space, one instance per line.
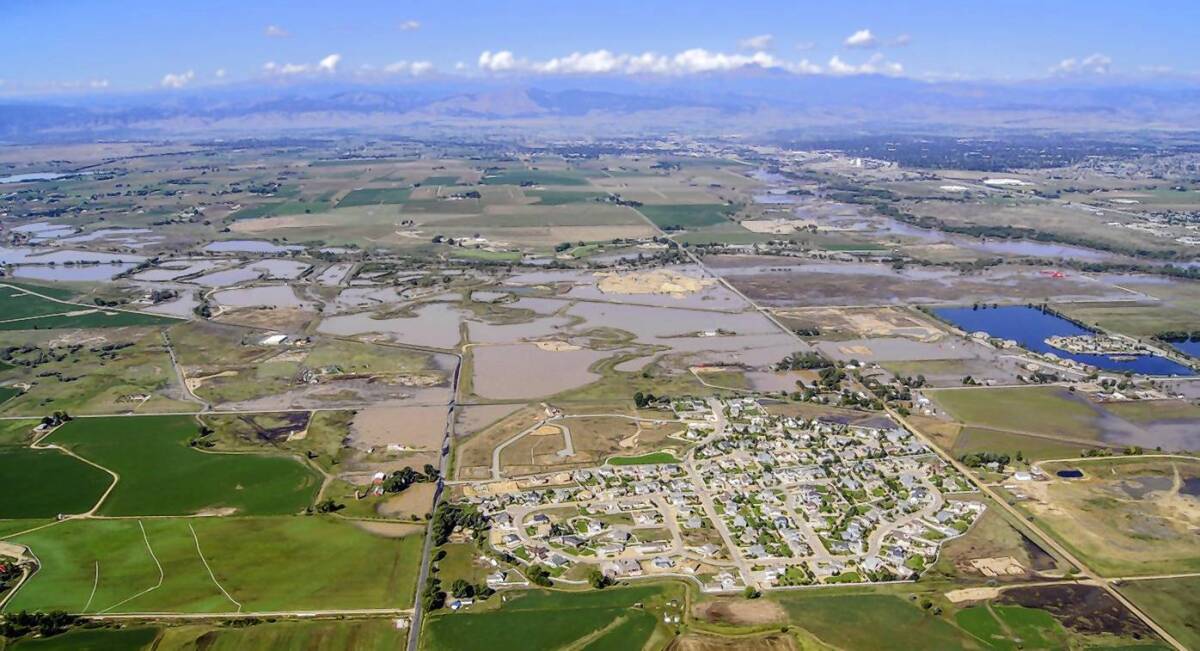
x=280 y=208
x=98 y=639
x=23 y=311
x=265 y=564
x=161 y=475
x=561 y=197
x=374 y=196
x=1040 y=410
x=8 y=392
x=542 y=619
x=45 y=483
x=873 y=621
x=686 y=215
x=1173 y=603
x=440 y=180
x=536 y=177
x=1032 y=448
x=645 y=459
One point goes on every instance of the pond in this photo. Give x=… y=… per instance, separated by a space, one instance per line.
x=1070 y=473
x=1190 y=348
x=1030 y=327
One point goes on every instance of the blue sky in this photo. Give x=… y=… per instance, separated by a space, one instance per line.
x=55 y=45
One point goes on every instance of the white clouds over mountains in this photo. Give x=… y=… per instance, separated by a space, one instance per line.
x=605 y=62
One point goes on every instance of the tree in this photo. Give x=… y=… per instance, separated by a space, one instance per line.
x=461 y=589
x=598 y=579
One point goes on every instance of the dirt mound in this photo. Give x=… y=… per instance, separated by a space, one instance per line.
x=1084 y=608
x=739 y=612
x=698 y=642
x=659 y=281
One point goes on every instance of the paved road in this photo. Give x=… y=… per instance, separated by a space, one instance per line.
x=414 y=633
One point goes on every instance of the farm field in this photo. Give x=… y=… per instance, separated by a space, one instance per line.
x=160 y=474
x=46 y=483
x=259 y=564
x=1172 y=603
x=545 y=620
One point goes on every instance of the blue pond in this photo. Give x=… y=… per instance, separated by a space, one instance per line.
x=1030 y=327
x=1191 y=348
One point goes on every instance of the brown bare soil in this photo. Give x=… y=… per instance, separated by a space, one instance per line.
x=698 y=642
x=1084 y=608
x=739 y=612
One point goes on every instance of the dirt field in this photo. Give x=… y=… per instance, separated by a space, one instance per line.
x=411 y=427
x=739 y=612
x=415 y=500
x=699 y=642
x=865 y=322
x=1083 y=608
x=659 y=281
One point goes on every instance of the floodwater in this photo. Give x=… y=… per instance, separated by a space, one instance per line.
x=997 y=246
x=435 y=325
x=73 y=273
x=1030 y=328
x=249 y=246
x=1190 y=348
x=182 y=306
x=132 y=237
x=355 y=297
x=226 y=278
x=524 y=371
x=285 y=269
x=714 y=297
x=28 y=255
x=263 y=295
x=176 y=269
x=34 y=176
x=334 y=274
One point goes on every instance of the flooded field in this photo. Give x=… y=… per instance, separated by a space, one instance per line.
x=282 y=269
x=787 y=283
x=435 y=325
x=1030 y=327
x=73 y=273
x=249 y=246
x=226 y=278
x=177 y=269
x=261 y=296
x=525 y=371
x=334 y=274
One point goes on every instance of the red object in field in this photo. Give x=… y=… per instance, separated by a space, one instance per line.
x=1054 y=274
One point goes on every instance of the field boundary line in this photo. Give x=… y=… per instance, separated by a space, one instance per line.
x=95 y=583
x=210 y=571
x=161 y=575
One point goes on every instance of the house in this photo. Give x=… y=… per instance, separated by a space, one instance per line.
x=629 y=567
x=663 y=563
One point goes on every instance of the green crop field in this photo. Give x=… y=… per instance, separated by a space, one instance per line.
x=536 y=177
x=280 y=208
x=45 y=483
x=23 y=311
x=550 y=620
x=374 y=196
x=161 y=475
x=873 y=621
x=1042 y=410
x=686 y=215
x=651 y=458
x=440 y=180
x=1008 y=628
x=561 y=197
x=8 y=392
x=126 y=639
x=265 y=564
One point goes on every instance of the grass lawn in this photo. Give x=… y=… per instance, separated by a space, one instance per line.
x=374 y=196
x=1041 y=410
x=8 y=392
x=652 y=458
x=1008 y=628
x=45 y=483
x=483 y=254
x=542 y=619
x=686 y=215
x=266 y=564
x=162 y=475
x=873 y=621
x=536 y=177
x=1173 y=603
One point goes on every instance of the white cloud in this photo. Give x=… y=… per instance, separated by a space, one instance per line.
x=863 y=38
x=413 y=68
x=98 y=83
x=410 y=25
x=220 y=73
x=596 y=62
x=502 y=61
x=1093 y=64
x=327 y=65
x=901 y=40
x=177 y=80
x=275 y=31
x=757 y=43
x=876 y=65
